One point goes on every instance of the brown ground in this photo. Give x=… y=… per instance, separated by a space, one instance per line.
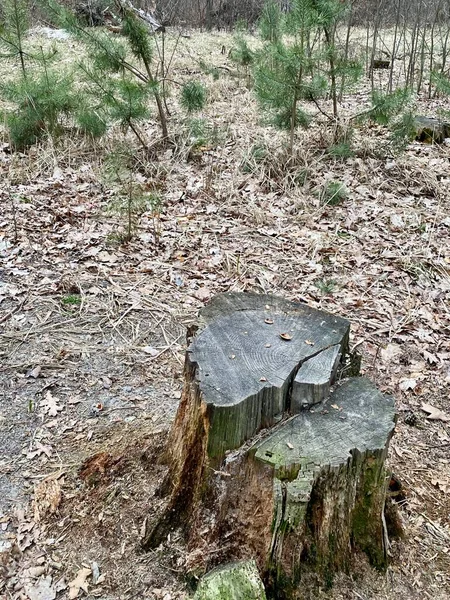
x=103 y=375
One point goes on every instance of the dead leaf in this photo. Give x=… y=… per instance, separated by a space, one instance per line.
x=442 y=484
x=397 y=223
x=150 y=350
x=40 y=449
x=106 y=257
x=74 y=400
x=49 y=404
x=435 y=413
x=41 y=590
x=430 y=357
x=79 y=583
x=35 y=572
x=390 y=352
x=286 y=336
x=202 y=294
x=407 y=384
x=35 y=372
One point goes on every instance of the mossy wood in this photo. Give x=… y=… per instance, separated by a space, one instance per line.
x=234 y=581
x=254 y=476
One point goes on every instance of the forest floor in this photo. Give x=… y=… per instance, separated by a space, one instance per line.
x=92 y=332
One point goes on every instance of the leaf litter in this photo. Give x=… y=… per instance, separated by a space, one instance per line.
x=386 y=249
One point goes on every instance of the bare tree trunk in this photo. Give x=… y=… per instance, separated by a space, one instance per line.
x=209 y=14
x=414 y=44
x=433 y=29
x=347 y=46
x=376 y=28
x=329 y=39
x=394 y=45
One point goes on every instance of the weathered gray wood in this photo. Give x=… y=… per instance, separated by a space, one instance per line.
x=314 y=378
x=328 y=464
x=235 y=581
x=310 y=492
x=431 y=130
x=245 y=368
x=148 y=19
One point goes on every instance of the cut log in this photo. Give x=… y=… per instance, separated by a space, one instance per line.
x=236 y=581
x=148 y=19
x=252 y=475
x=430 y=130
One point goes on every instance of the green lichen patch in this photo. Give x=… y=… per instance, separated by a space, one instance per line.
x=235 y=581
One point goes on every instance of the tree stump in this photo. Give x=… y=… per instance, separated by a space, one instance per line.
x=430 y=130
x=268 y=458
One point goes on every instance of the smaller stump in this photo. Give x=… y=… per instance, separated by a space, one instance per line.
x=236 y=581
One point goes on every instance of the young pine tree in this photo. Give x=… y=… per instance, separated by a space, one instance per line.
x=14 y=24
x=395 y=111
x=109 y=56
x=41 y=98
x=282 y=66
x=131 y=198
x=300 y=61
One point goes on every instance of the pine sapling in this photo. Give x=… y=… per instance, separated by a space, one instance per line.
x=13 y=27
x=108 y=56
x=193 y=96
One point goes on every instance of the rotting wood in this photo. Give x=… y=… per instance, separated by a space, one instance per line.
x=381 y=64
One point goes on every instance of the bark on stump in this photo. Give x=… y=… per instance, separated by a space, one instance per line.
x=253 y=475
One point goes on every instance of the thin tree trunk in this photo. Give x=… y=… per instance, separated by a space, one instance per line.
x=19 y=41
x=328 y=38
x=159 y=104
x=293 y=125
x=414 y=44
x=138 y=135
x=433 y=28
x=347 y=45
x=209 y=14
x=375 y=35
x=394 y=45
